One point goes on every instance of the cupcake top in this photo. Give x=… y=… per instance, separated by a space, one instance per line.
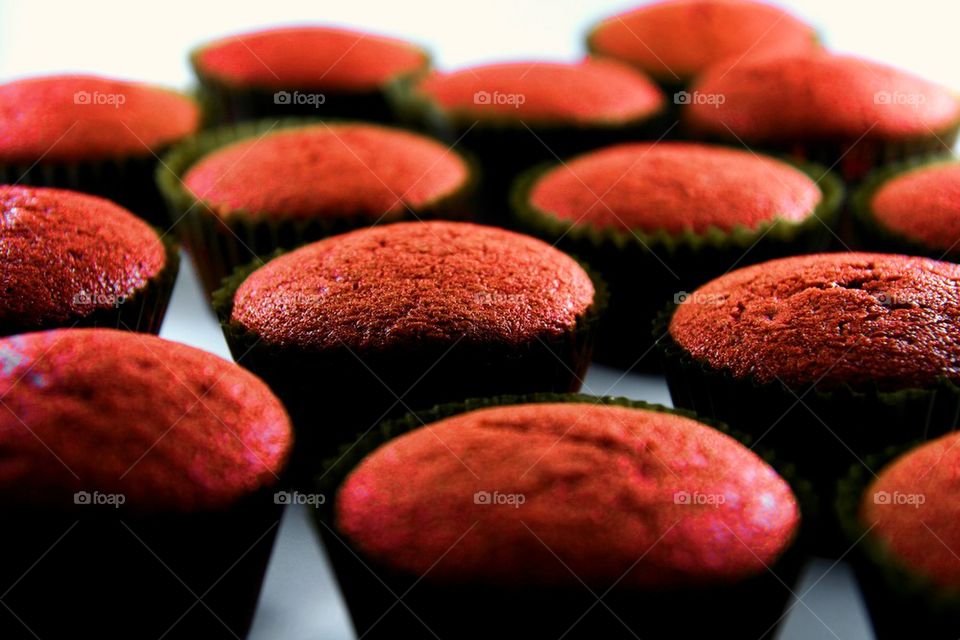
x=417 y=281
x=499 y=494
x=676 y=187
x=678 y=39
x=829 y=319
x=309 y=58
x=76 y=118
x=922 y=205
x=913 y=510
x=823 y=97
x=169 y=427
x=590 y=92
x=331 y=170
x=67 y=255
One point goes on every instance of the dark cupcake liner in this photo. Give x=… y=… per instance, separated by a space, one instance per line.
x=872 y=235
x=644 y=271
x=751 y=609
x=142 y=311
x=902 y=604
x=218 y=245
x=335 y=393
x=103 y=572
x=823 y=433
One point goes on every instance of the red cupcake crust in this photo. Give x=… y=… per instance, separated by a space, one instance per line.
x=913 y=510
x=170 y=427
x=309 y=58
x=922 y=205
x=829 y=319
x=328 y=170
x=821 y=97
x=68 y=254
x=412 y=283
x=654 y=498
x=676 y=40
x=588 y=92
x=675 y=187
x=77 y=118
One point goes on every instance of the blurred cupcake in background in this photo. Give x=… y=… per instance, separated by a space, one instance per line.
x=92 y=134
x=304 y=71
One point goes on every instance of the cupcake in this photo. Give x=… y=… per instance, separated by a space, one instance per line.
x=514 y=115
x=827 y=357
x=357 y=327
x=538 y=508
x=74 y=259
x=836 y=110
x=674 y=41
x=657 y=220
x=904 y=523
x=238 y=193
x=92 y=134
x=913 y=208
x=307 y=70
x=137 y=487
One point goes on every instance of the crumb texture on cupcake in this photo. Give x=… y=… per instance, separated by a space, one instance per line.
x=830 y=320
x=418 y=281
x=309 y=58
x=528 y=494
x=911 y=509
x=675 y=187
x=168 y=426
x=922 y=205
x=678 y=39
x=335 y=170
x=75 y=118
x=67 y=254
x=587 y=92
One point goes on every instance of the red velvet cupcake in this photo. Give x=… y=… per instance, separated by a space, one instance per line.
x=514 y=115
x=92 y=134
x=307 y=71
x=832 y=109
x=674 y=41
x=245 y=192
x=74 y=259
x=356 y=327
x=146 y=463
x=657 y=220
x=527 y=509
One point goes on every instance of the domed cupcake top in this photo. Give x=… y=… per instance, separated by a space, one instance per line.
x=75 y=118
x=169 y=427
x=922 y=205
x=309 y=58
x=600 y=92
x=68 y=254
x=913 y=511
x=417 y=281
x=328 y=170
x=829 y=319
x=823 y=97
x=496 y=496
x=678 y=39
x=675 y=187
